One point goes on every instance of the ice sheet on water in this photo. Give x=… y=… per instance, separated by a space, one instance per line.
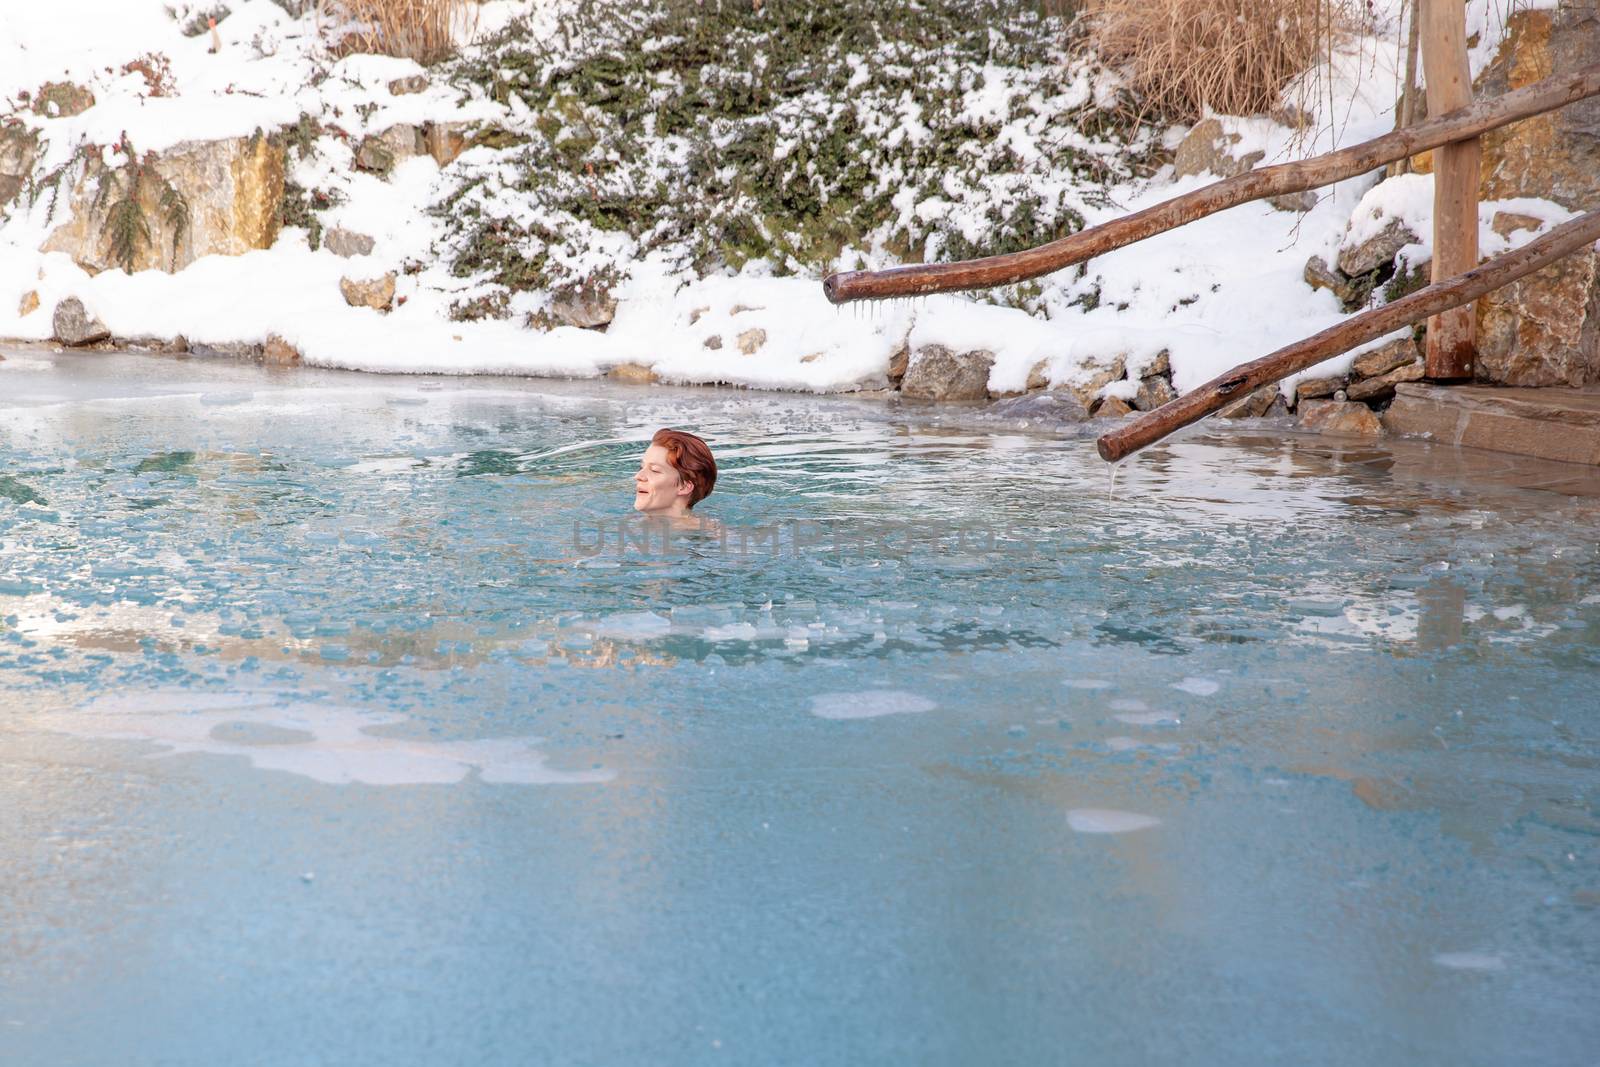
x=1470 y=961
x=1149 y=718
x=869 y=704
x=1087 y=683
x=1108 y=821
x=327 y=743
x=1200 y=687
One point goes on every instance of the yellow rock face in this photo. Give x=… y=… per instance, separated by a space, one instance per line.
x=233 y=191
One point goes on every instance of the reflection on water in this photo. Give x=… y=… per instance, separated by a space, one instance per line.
x=1308 y=727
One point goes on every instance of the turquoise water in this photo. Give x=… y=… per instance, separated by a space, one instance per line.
x=331 y=731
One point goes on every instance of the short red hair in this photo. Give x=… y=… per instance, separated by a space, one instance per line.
x=692 y=459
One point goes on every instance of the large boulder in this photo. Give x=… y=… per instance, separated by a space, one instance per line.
x=1543 y=329
x=939 y=373
x=231 y=192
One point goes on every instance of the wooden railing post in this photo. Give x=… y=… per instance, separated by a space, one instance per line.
x=1450 y=345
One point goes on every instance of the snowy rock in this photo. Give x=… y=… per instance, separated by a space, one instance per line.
x=1207 y=149
x=1112 y=407
x=377 y=293
x=1160 y=364
x=938 y=373
x=19 y=146
x=1543 y=329
x=633 y=374
x=899 y=363
x=412 y=83
x=1153 y=392
x=1385 y=358
x=445 y=141
x=74 y=326
x=28 y=304
x=1038 y=376
x=347 y=243
x=1093 y=377
x=1506 y=223
x=1333 y=416
x=750 y=341
x=58 y=100
x=231 y=190
x=585 y=306
x=1319 y=275
x=279 y=353
x=714 y=342
x=1367 y=256
x=379 y=152
x=1382 y=386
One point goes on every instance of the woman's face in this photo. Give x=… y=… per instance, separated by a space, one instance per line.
x=658 y=487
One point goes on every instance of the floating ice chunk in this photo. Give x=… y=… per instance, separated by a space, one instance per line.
x=1108 y=821
x=869 y=704
x=1200 y=687
x=1087 y=683
x=1470 y=961
x=734 y=631
x=1327 y=607
x=634 y=625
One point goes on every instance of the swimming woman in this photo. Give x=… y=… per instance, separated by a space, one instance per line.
x=677 y=472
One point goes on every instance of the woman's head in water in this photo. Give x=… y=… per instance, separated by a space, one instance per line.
x=677 y=472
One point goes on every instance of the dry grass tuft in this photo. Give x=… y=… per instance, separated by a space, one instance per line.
x=412 y=29
x=1230 y=56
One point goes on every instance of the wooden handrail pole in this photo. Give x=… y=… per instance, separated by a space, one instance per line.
x=1450 y=343
x=922 y=279
x=1192 y=406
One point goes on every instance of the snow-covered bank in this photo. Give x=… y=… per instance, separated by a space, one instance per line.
x=1212 y=294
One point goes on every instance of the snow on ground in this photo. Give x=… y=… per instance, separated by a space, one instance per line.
x=1219 y=291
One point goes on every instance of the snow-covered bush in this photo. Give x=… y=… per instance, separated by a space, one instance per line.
x=801 y=137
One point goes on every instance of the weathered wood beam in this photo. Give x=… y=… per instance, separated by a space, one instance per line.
x=921 y=279
x=1450 y=344
x=1192 y=406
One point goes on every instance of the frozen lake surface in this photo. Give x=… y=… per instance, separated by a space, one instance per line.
x=341 y=722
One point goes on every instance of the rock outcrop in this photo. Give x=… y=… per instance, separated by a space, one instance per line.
x=230 y=193
x=1544 y=329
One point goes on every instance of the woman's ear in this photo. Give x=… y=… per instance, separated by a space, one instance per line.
x=685 y=486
